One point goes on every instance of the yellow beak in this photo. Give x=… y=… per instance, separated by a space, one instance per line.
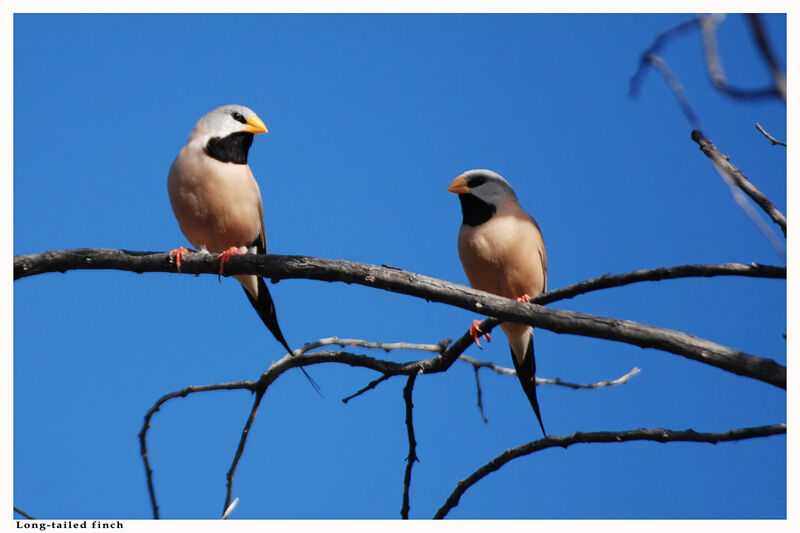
x=255 y=125
x=459 y=185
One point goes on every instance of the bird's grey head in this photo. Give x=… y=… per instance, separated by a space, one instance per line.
x=226 y=133
x=481 y=192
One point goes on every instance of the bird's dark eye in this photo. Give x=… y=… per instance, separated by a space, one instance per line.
x=238 y=117
x=476 y=181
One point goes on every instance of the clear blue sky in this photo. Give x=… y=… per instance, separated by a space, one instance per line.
x=370 y=118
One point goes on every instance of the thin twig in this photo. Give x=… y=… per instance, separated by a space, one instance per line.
x=659 y=274
x=552 y=381
x=240 y=448
x=412 y=445
x=476 y=369
x=657 y=435
x=778 y=77
x=23 y=513
x=709 y=24
x=372 y=384
x=772 y=140
x=420 y=286
x=598 y=385
x=722 y=162
x=677 y=89
x=386 y=346
x=156 y=407
x=661 y=40
x=477 y=364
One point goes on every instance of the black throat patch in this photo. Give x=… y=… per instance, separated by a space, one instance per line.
x=474 y=210
x=230 y=149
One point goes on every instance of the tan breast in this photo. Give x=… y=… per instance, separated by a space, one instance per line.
x=504 y=256
x=218 y=205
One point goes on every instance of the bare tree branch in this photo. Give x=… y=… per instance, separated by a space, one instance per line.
x=412 y=445
x=371 y=385
x=760 y=36
x=161 y=401
x=772 y=140
x=240 y=448
x=659 y=42
x=476 y=364
x=709 y=24
x=476 y=369
x=677 y=89
x=431 y=289
x=23 y=513
x=290 y=361
x=657 y=435
x=287 y=362
x=663 y=273
x=385 y=346
x=722 y=162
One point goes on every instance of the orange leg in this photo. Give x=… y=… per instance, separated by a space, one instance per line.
x=475 y=331
x=524 y=298
x=227 y=254
x=177 y=254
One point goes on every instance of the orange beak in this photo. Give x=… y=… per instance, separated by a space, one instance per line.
x=459 y=185
x=255 y=125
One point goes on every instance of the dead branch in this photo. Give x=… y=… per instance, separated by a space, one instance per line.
x=385 y=346
x=691 y=116
x=298 y=359
x=661 y=40
x=722 y=162
x=760 y=36
x=657 y=435
x=156 y=407
x=503 y=371
x=412 y=445
x=23 y=513
x=240 y=448
x=677 y=89
x=772 y=140
x=476 y=364
x=371 y=385
x=476 y=369
x=708 y=24
x=658 y=274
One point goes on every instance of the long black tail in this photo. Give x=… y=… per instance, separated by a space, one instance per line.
x=265 y=308
x=526 y=372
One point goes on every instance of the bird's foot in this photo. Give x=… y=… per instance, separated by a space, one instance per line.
x=524 y=298
x=475 y=331
x=225 y=256
x=177 y=254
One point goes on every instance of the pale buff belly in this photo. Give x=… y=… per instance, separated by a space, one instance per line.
x=216 y=208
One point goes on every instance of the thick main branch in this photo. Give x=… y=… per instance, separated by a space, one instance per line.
x=279 y=267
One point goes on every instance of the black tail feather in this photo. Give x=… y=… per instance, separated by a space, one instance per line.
x=526 y=372
x=265 y=308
